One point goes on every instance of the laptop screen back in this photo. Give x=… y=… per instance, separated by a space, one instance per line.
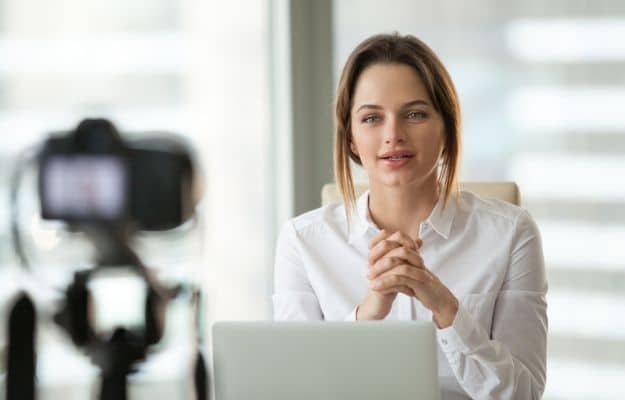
x=325 y=360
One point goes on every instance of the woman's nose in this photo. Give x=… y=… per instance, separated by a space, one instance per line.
x=393 y=132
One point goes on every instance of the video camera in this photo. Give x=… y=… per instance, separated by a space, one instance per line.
x=109 y=189
x=91 y=176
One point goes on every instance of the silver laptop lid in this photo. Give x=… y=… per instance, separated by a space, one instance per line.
x=325 y=360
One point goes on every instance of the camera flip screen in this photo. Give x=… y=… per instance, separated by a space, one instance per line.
x=85 y=187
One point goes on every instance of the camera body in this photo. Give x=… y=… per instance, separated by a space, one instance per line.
x=91 y=176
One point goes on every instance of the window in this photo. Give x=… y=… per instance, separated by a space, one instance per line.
x=195 y=68
x=542 y=86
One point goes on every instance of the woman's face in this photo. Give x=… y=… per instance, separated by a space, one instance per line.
x=396 y=131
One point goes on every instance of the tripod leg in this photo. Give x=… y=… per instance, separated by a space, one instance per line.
x=113 y=387
x=201 y=378
x=21 y=350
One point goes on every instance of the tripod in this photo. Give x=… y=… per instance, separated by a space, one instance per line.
x=117 y=355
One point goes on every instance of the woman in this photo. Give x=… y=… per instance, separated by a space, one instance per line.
x=414 y=247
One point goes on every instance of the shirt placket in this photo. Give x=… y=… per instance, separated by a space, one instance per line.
x=404 y=307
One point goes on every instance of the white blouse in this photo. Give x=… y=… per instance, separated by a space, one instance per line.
x=487 y=252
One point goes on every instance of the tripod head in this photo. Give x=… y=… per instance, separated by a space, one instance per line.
x=119 y=348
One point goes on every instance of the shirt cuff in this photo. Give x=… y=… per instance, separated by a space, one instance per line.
x=352 y=315
x=455 y=338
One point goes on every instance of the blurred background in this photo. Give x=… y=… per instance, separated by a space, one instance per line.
x=251 y=85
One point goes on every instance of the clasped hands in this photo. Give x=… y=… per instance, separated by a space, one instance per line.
x=395 y=266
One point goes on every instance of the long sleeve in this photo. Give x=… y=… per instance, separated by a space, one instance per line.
x=510 y=361
x=294 y=297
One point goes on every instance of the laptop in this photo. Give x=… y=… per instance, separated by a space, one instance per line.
x=325 y=360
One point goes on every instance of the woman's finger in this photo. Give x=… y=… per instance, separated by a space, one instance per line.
x=380 y=249
x=383 y=234
x=405 y=255
x=384 y=264
x=382 y=244
x=402 y=275
x=403 y=239
x=407 y=290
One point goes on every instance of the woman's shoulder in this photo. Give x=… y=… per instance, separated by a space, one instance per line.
x=490 y=207
x=494 y=219
x=328 y=216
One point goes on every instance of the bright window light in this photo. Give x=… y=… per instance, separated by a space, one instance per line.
x=552 y=108
x=582 y=380
x=587 y=177
x=114 y=53
x=567 y=40
x=575 y=245
x=597 y=311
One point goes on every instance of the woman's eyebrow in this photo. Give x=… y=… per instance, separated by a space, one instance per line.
x=405 y=105
x=415 y=103
x=370 y=107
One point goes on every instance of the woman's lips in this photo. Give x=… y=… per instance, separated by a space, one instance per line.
x=396 y=162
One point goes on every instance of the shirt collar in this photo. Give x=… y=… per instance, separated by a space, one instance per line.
x=440 y=219
x=442 y=215
x=361 y=222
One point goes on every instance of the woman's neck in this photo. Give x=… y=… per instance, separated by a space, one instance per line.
x=402 y=208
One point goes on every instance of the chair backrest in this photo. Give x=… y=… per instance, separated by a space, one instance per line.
x=507 y=191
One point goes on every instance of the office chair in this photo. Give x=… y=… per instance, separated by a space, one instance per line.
x=507 y=191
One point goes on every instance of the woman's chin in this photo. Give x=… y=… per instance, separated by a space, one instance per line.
x=396 y=180
x=399 y=181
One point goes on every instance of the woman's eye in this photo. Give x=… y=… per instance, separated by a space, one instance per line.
x=416 y=115
x=370 y=119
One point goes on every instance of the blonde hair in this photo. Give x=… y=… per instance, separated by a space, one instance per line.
x=396 y=49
